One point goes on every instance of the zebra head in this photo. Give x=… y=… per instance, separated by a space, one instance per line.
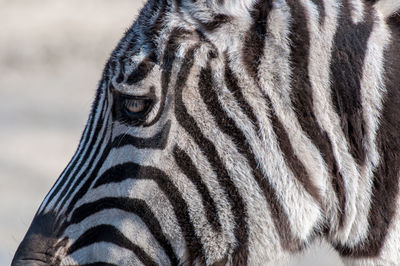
x=226 y=133
x=147 y=177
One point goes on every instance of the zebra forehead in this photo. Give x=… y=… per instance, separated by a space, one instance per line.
x=151 y=32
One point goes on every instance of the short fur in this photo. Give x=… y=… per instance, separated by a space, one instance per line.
x=268 y=124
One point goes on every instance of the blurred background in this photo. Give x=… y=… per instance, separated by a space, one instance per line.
x=52 y=53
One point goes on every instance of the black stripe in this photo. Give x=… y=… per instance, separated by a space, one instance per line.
x=217 y=21
x=291 y=158
x=303 y=102
x=125 y=171
x=157 y=26
x=254 y=40
x=158 y=141
x=109 y=234
x=146 y=21
x=136 y=206
x=178 y=6
x=348 y=53
x=207 y=147
x=167 y=64
x=112 y=68
x=233 y=86
x=121 y=76
x=187 y=166
x=142 y=70
x=129 y=51
x=152 y=29
x=385 y=191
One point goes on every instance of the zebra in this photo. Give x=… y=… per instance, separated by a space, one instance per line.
x=236 y=132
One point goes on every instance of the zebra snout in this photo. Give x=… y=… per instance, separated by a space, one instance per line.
x=36 y=250
x=40 y=246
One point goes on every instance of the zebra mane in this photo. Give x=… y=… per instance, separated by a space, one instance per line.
x=388 y=7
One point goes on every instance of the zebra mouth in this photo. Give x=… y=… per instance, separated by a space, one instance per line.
x=38 y=250
x=33 y=258
x=33 y=262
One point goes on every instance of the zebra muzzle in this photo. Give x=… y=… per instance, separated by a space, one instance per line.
x=40 y=245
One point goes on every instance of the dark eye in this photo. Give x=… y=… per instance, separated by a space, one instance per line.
x=136 y=107
x=130 y=109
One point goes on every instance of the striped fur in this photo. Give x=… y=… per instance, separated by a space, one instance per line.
x=272 y=123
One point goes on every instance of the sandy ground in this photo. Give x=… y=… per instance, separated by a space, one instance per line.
x=51 y=56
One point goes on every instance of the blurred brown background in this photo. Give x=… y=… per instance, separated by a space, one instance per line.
x=51 y=57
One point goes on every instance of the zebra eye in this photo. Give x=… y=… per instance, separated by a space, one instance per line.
x=131 y=110
x=136 y=108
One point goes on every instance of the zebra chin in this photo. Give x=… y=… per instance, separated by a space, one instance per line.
x=41 y=246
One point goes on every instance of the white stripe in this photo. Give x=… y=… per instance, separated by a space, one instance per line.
x=356 y=10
